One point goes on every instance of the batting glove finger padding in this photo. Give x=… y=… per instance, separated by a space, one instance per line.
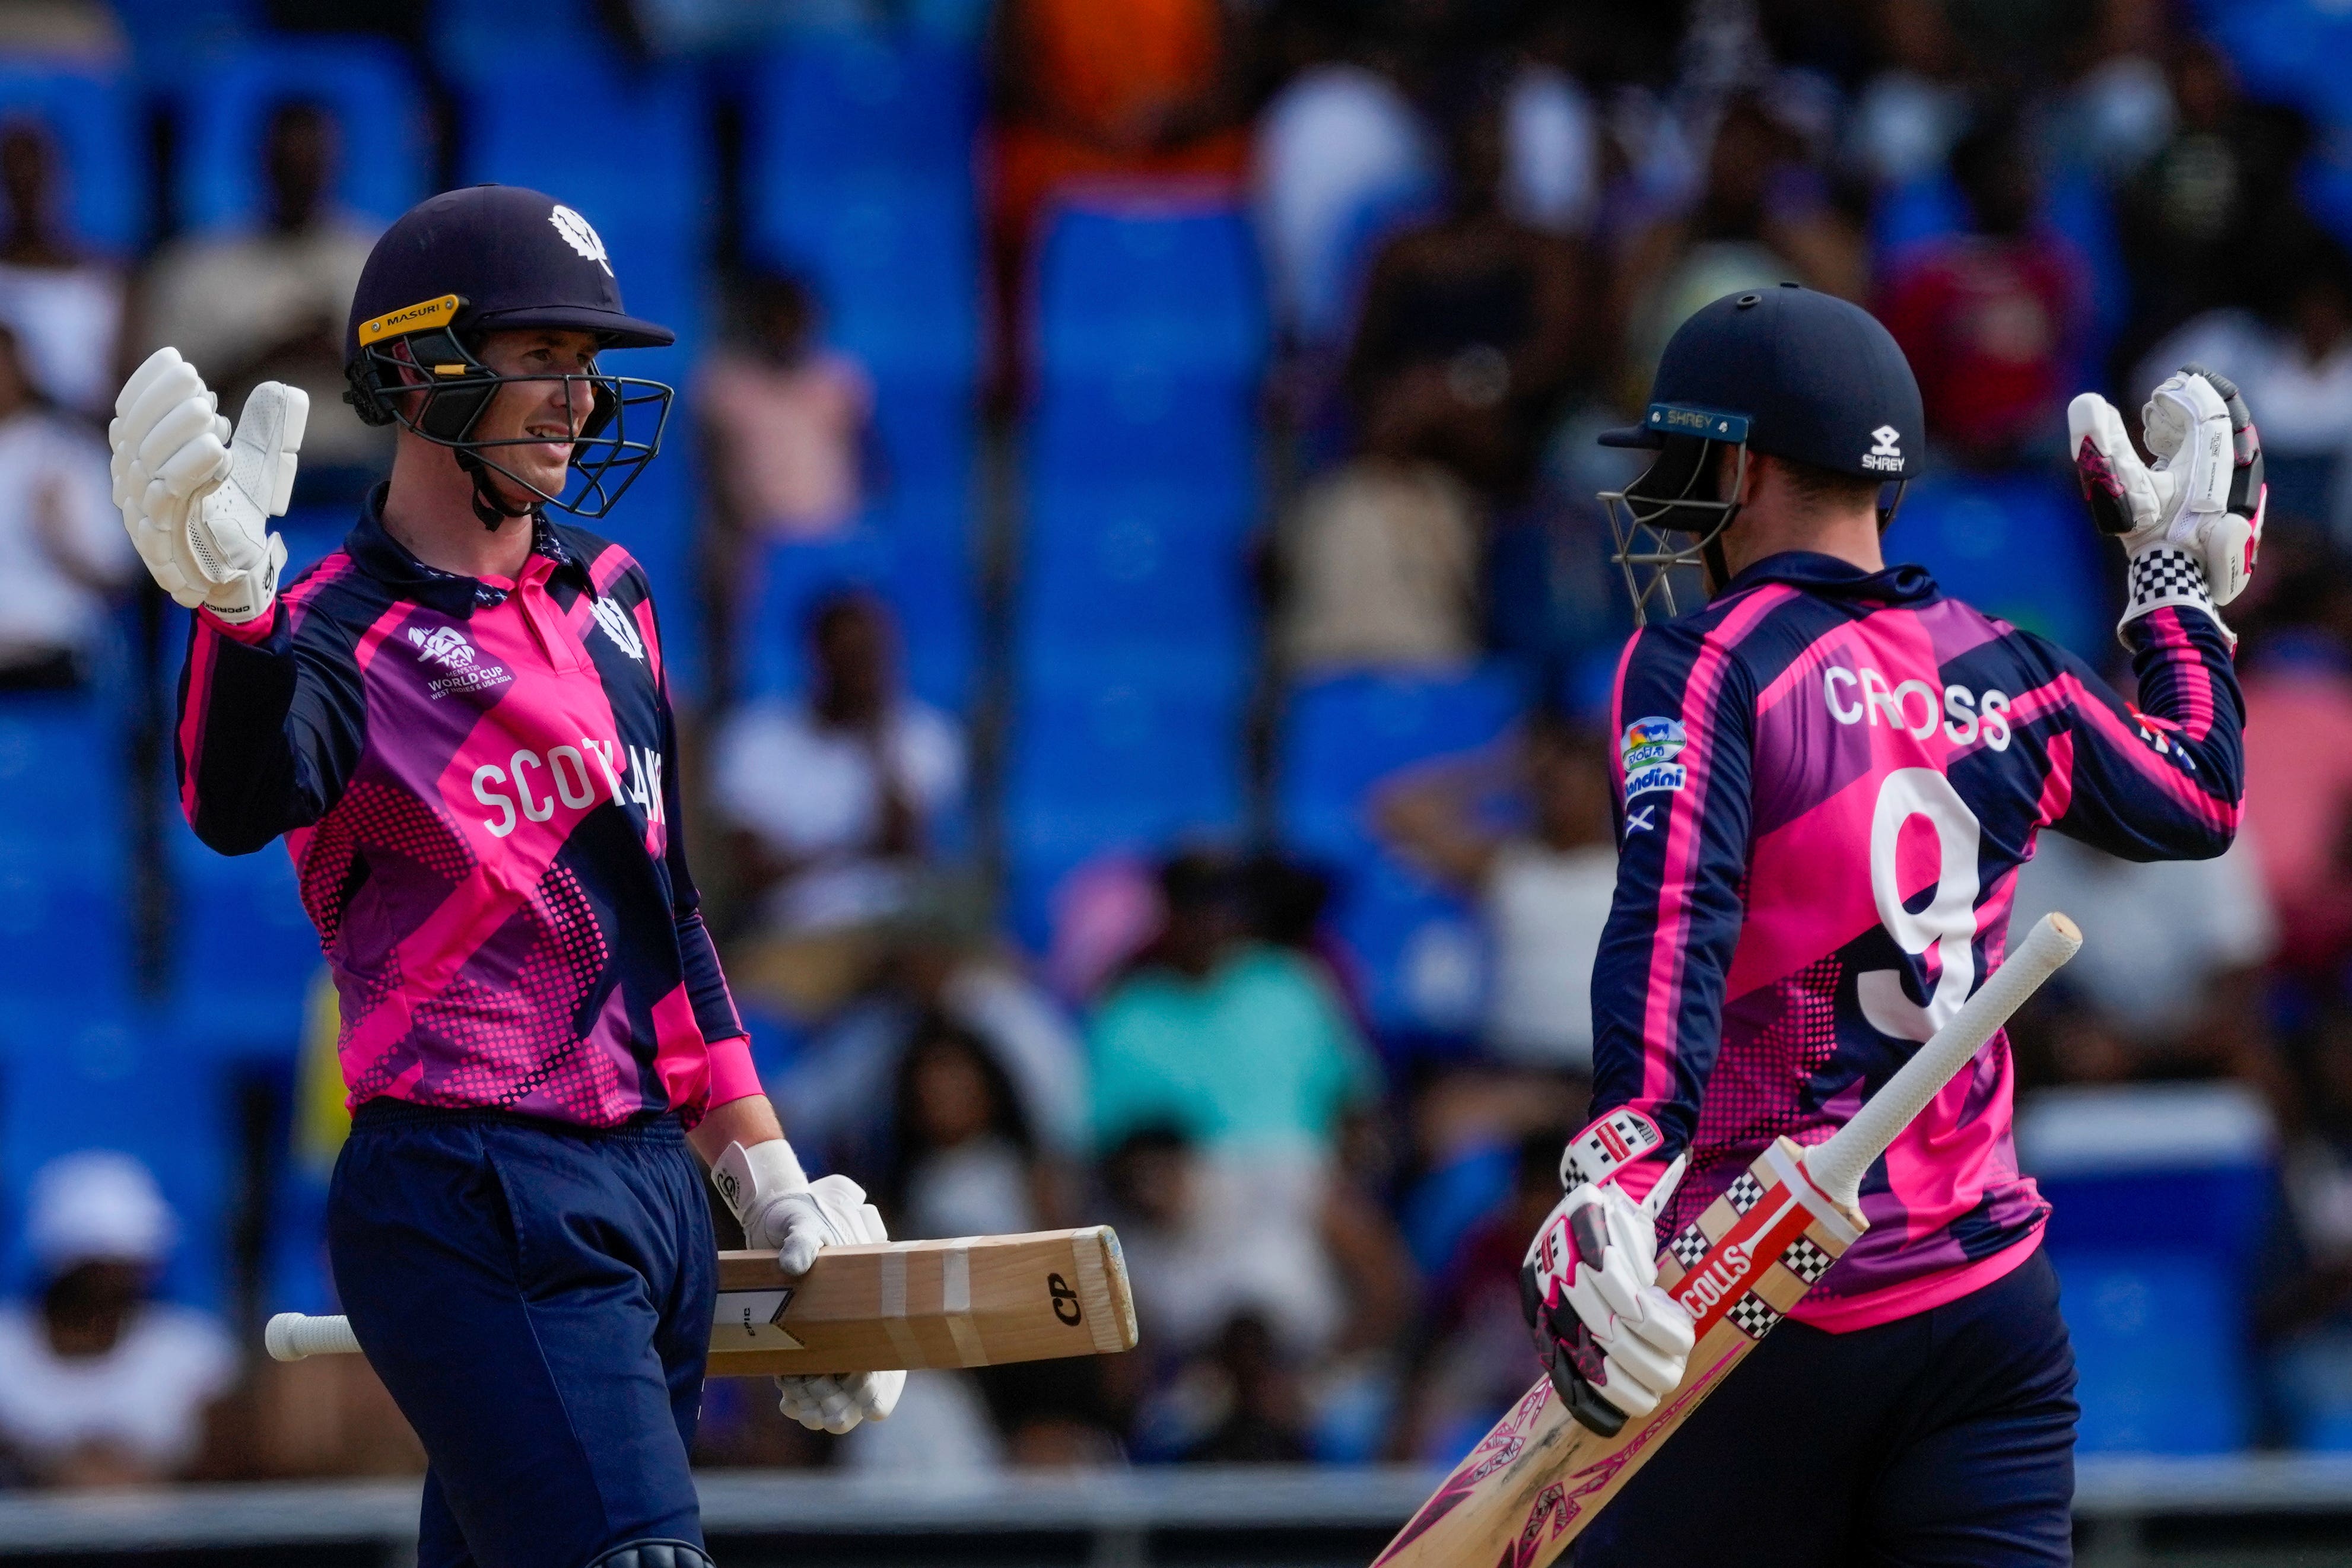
x=196 y=498
x=1614 y=1344
x=2190 y=522
x=838 y=1402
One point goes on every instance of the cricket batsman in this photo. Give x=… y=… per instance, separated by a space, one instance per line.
x=459 y=722
x=1828 y=776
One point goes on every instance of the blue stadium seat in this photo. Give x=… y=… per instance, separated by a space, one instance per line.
x=1137 y=578
x=1421 y=954
x=656 y=230
x=1109 y=758
x=93 y=114
x=2014 y=546
x=224 y=113
x=1154 y=282
x=477 y=37
x=930 y=589
x=2159 y=1349
x=1144 y=427
x=244 y=952
x=924 y=428
x=64 y=873
x=858 y=174
x=108 y=1079
x=2158 y=1195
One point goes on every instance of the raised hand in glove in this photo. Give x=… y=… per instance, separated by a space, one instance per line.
x=2191 y=521
x=1615 y=1343
x=779 y=1207
x=197 y=499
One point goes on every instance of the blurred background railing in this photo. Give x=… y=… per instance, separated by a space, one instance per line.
x=1127 y=551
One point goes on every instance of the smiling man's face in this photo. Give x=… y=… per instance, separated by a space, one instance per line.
x=552 y=410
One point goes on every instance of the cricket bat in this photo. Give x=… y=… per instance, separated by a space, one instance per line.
x=1538 y=1478
x=977 y=1300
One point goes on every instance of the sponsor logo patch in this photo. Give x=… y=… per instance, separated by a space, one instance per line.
x=447 y=646
x=1668 y=776
x=1648 y=741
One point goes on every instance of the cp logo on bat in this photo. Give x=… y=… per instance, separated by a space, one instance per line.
x=1065 y=1300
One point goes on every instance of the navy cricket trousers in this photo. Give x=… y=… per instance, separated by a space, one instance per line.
x=1945 y=1439
x=537 y=1300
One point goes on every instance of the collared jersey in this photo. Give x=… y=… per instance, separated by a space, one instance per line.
x=476 y=782
x=1826 y=781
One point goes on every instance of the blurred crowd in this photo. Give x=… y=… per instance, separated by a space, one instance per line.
x=1479 y=220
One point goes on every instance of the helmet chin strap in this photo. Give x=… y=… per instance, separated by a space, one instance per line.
x=491 y=509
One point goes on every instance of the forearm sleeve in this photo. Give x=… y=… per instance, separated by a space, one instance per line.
x=1683 y=720
x=2164 y=780
x=267 y=733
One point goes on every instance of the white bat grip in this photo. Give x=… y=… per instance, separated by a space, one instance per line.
x=1837 y=1165
x=290 y=1336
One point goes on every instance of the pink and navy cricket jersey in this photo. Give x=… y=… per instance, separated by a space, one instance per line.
x=1826 y=781
x=477 y=780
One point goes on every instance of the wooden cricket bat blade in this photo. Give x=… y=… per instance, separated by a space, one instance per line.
x=976 y=1301
x=1537 y=1479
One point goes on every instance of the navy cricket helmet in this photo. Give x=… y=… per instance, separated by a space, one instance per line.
x=1797 y=374
x=492 y=258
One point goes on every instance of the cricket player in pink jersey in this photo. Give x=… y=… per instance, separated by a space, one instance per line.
x=1828 y=775
x=459 y=723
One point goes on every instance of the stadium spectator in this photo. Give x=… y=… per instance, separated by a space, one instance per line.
x=784 y=420
x=102 y=1385
x=1242 y=1046
x=1552 y=142
x=2219 y=192
x=963 y=1161
x=1987 y=315
x=2171 y=962
x=1340 y=153
x=65 y=306
x=1471 y=1359
x=1148 y=91
x=831 y=801
x=1379 y=561
x=63 y=552
x=271 y=305
x=1545 y=886
x=1762 y=216
x=1475 y=324
x=1912 y=109
x=2291 y=351
x=2298 y=685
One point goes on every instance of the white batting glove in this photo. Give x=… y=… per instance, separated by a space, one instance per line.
x=196 y=499
x=2191 y=521
x=1615 y=1343
x=779 y=1207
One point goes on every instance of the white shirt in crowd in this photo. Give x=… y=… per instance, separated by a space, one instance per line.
x=2155 y=936
x=815 y=794
x=145 y=1398
x=67 y=319
x=1545 y=909
x=1336 y=148
x=54 y=497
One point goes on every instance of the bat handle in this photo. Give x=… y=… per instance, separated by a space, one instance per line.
x=1837 y=1165
x=290 y=1336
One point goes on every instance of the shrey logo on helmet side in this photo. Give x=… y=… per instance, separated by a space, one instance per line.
x=581 y=236
x=1884 y=455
